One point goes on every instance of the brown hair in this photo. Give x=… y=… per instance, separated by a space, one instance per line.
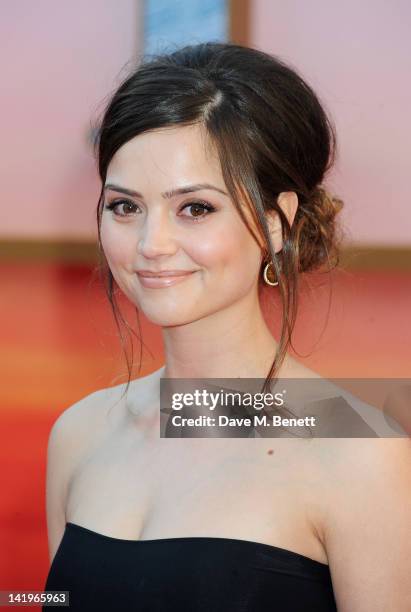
x=272 y=135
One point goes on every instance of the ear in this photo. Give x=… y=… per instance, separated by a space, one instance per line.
x=288 y=202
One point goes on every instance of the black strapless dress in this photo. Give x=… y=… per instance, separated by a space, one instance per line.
x=188 y=574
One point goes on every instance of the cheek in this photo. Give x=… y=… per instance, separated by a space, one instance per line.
x=229 y=248
x=117 y=245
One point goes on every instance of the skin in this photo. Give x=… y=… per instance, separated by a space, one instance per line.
x=107 y=468
x=211 y=323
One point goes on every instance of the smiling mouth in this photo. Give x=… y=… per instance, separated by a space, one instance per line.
x=162 y=273
x=158 y=282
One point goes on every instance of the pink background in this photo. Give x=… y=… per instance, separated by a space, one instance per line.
x=357 y=56
x=60 y=60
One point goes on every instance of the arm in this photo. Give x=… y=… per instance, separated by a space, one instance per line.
x=69 y=435
x=56 y=480
x=367 y=530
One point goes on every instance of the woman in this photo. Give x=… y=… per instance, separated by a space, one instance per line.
x=212 y=160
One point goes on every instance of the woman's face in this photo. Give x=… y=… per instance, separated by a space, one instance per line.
x=156 y=226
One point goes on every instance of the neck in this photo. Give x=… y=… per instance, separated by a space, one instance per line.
x=231 y=343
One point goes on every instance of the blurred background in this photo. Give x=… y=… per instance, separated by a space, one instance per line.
x=60 y=62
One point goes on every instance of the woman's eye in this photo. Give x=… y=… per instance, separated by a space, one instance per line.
x=128 y=207
x=198 y=209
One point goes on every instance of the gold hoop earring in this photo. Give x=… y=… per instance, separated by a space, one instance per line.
x=266 y=278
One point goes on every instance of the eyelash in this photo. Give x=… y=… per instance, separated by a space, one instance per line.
x=210 y=209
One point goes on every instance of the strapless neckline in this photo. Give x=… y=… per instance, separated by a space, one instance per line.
x=269 y=548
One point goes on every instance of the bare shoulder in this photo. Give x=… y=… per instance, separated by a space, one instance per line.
x=83 y=423
x=74 y=433
x=360 y=460
x=79 y=414
x=349 y=469
x=84 y=420
x=85 y=417
x=363 y=515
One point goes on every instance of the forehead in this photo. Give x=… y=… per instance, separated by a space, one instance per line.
x=167 y=157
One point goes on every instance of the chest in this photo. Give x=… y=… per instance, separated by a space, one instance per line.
x=239 y=488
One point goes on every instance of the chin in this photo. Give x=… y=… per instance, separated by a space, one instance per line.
x=168 y=322
x=165 y=319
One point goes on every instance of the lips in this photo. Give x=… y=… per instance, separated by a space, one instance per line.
x=163 y=279
x=164 y=273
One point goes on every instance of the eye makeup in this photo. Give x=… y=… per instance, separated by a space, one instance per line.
x=199 y=205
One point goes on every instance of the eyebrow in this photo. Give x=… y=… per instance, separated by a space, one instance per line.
x=166 y=194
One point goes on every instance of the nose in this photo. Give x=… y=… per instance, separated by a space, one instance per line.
x=157 y=236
